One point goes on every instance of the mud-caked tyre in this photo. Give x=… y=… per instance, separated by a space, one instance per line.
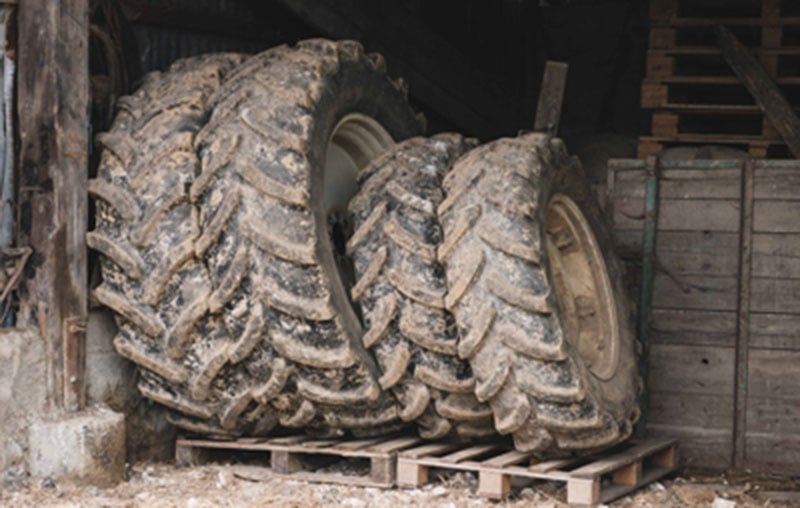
x=214 y=230
x=288 y=133
x=401 y=288
x=536 y=291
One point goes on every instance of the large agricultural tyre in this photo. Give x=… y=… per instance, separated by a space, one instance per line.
x=215 y=189
x=537 y=294
x=401 y=287
x=145 y=232
x=288 y=133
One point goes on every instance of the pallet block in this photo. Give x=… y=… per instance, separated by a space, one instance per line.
x=288 y=454
x=590 y=480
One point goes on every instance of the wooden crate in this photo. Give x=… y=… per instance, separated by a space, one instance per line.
x=724 y=333
x=289 y=456
x=590 y=480
x=692 y=94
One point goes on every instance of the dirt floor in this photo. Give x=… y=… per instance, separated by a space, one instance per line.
x=163 y=485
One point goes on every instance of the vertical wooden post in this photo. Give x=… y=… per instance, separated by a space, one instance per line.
x=551 y=97
x=743 y=323
x=52 y=110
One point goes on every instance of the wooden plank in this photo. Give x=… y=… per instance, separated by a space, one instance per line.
x=776 y=216
x=691 y=409
x=52 y=115
x=357 y=445
x=775 y=295
x=551 y=97
x=395 y=444
x=686 y=252
x=683 y=183
x=680 y=214
x=774 y=374
x=691 y=370
x=777 y=183
x=694 y=327
x=695 y=292
x=757 y=81
x=700 y=447
x=776 y=255
x=614 y=462
x=774 y=416
x=772 y=453
x=507 y=459
x=775 y=331
x=428 y=449
x=469 y=453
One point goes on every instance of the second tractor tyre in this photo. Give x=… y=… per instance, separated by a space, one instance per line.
x=401 y=288
x=289 y=131
x=536 y=290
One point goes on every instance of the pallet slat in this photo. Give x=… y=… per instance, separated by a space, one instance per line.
x=287 y=456
x=629 y=469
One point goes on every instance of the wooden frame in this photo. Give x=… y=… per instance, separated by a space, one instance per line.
x=53 y=120
x=725 y=308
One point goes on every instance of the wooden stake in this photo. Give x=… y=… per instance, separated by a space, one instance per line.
x=551 y=97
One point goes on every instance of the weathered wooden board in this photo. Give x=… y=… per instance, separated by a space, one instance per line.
x=682 y=184
x=776 y=216
x=775 y=331
x=683 y=369
x=52 y=110
x=700 y=447
x=693 y=327
x=773 y=453
x=694 y=292
x=776 y=255
x=681 y=215
x=691 y=409
x=774 y=374
x=776 y=183
x=686 y=252
x=775 y=295
x=698 y=299
x=777 y=416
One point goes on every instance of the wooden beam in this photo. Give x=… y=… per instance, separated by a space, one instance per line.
x=551 y=97
x=52 y=110
x=743 y=321
x=762 y=88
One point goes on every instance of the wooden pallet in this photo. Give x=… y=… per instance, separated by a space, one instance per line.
x=693 y=94
x=590 y=480
x=292 y=457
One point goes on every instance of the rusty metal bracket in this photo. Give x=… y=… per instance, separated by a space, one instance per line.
x=74 y=336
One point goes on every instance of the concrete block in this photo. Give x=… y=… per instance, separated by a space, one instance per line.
x=23 y=392
x=88 y=447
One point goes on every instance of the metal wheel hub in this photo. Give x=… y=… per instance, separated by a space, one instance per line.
x=582 y=286
x=356 y=140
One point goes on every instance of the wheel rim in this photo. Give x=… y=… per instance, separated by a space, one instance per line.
x=356 y=140
x=582 y=286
